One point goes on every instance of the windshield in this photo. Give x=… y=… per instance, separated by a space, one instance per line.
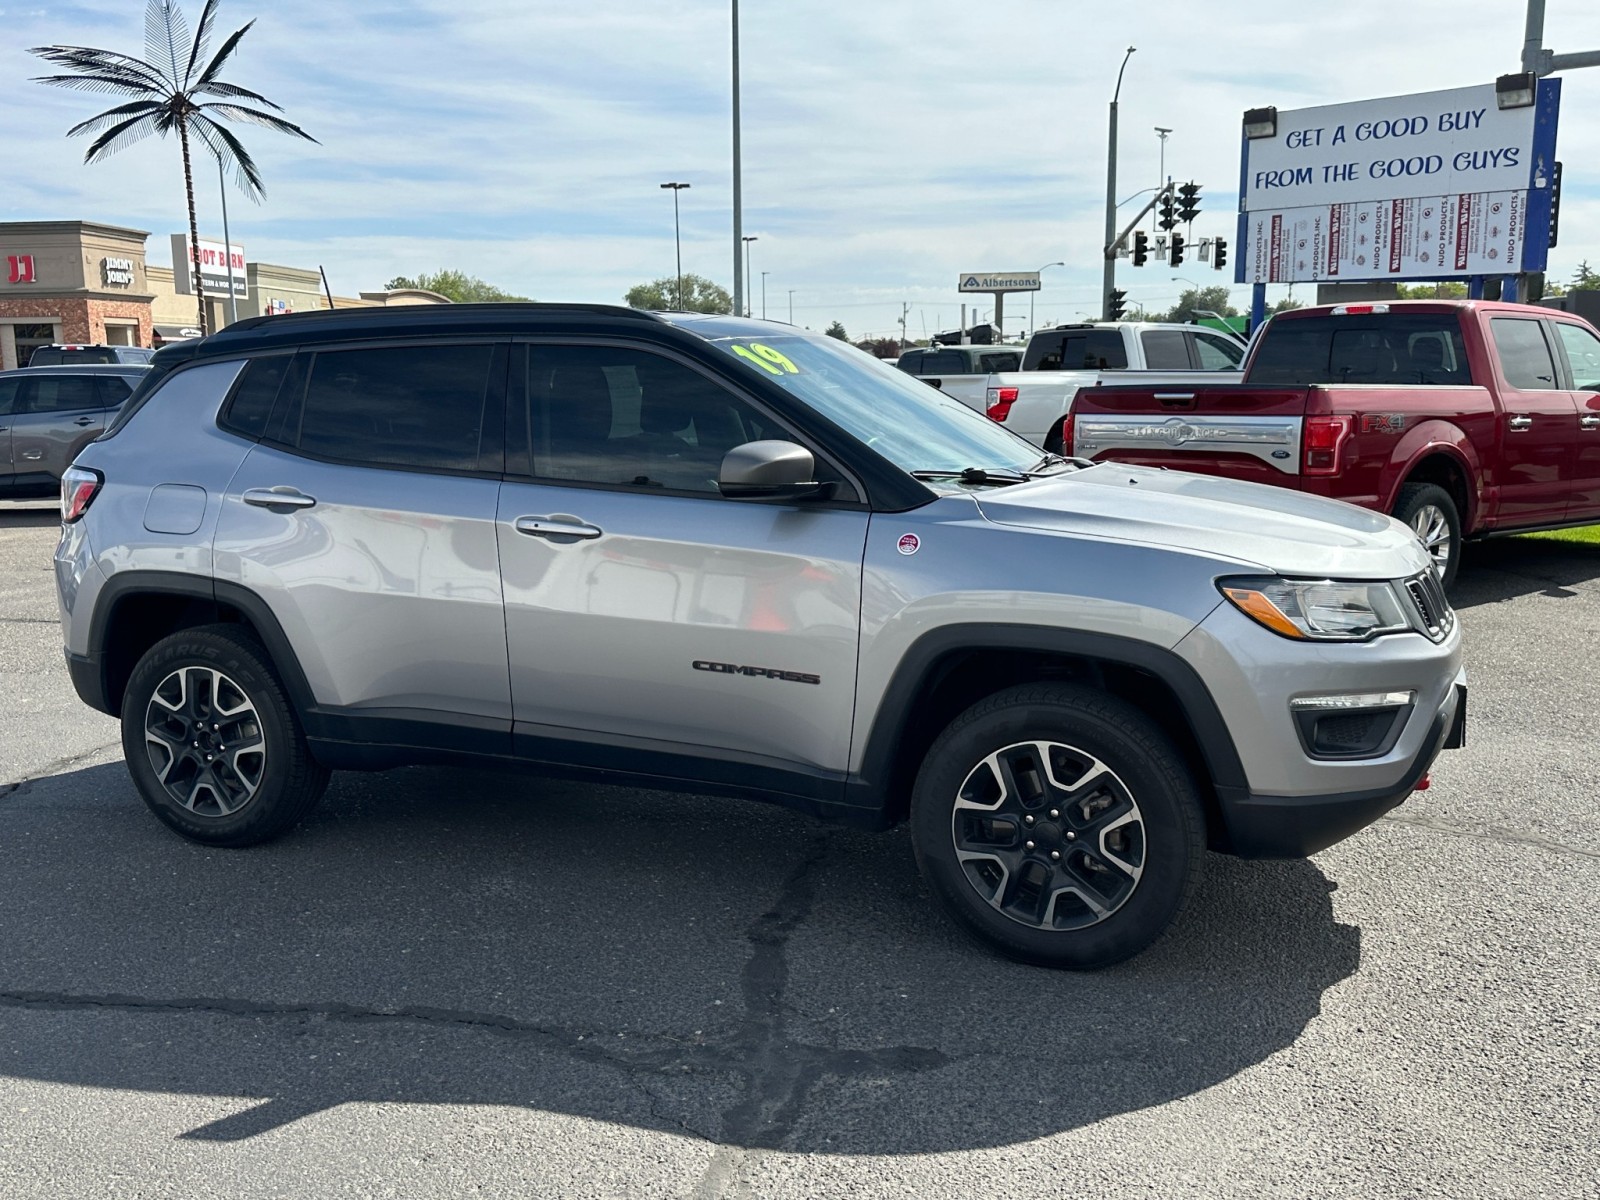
x=913 y=425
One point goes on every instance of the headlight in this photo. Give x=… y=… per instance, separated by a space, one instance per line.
x=1320 y=610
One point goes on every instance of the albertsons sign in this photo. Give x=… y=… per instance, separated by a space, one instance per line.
x=1409 y=187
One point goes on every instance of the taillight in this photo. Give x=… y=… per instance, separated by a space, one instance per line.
x=1358 y=310
x=1066 y=435
x=1324 y=439
x=1000 y=402
x=78 y=490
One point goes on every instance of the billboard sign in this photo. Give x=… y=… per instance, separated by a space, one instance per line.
x=1428 y=186
x=1004 y=281
x=213 y=268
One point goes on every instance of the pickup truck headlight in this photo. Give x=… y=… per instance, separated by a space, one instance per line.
x=1319 y=610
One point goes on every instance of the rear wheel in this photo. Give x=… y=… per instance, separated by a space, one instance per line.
x=1432 y=515
x=1058 y=825
x=212 y=742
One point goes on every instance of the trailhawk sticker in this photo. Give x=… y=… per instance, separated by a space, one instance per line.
x=909 y=543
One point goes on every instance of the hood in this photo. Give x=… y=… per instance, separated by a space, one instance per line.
x=1253 y=524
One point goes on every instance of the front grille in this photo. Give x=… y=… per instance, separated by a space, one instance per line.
x=1427 y=596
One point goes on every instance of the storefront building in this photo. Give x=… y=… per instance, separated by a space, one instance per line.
x=88 y=283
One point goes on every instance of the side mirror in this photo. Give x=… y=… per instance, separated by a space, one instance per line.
x=769 y=471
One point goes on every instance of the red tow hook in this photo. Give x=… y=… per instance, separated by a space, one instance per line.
x=1424 y=783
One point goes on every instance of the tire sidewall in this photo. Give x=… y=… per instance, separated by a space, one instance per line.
x=1415 y=496
x=1166 y=801
x=245 y=668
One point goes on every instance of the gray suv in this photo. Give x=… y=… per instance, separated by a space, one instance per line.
x=724 y=556
x=48 y=414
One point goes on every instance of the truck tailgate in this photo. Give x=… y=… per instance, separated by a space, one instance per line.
x=1238 y=430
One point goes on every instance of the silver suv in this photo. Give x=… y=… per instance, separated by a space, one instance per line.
x=720 y=555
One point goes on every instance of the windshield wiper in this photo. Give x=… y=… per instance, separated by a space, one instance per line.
x=1058 y=460
x=998 y=476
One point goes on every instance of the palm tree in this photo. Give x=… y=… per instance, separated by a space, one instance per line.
x=170 y=90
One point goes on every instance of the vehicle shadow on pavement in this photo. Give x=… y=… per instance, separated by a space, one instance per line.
x=29 y=518
x=710 y=968
x=1505 y=568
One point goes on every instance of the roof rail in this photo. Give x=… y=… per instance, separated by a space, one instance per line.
x=279 y=320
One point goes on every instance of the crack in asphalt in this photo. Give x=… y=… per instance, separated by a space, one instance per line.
x=18 y=786
x=1491 y=834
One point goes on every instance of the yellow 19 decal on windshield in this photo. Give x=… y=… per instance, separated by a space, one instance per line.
x=767 y=358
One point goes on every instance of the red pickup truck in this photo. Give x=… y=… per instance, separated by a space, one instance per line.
x=1461 y=418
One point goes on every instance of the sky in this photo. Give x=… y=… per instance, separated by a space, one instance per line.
x=889 y=146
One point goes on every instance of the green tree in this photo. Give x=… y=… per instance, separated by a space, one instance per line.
x=880 y=347
x=836 y=330
x=457 y=285
x=699 y=295
x=1213 y=299
x=1444 y=290
x=1287 y=304
x=169 y=91
x=1586 y=280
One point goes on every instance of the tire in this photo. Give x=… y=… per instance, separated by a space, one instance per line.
x=1433 y=516
x=1052 y=440
x=1129 y=838
x=264 y=780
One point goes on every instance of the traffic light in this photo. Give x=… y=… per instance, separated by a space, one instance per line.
x=1555 y=203
x=1189 y=202
x=1167 y=221
x=1219 y=253
x=1141 y=248
x=1177 y=249
x=1118 y=304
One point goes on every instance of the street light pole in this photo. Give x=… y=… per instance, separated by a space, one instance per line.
x=677 y=240
x=791 y=306
x=747 y=241
x=738 y=198
x=764 y=275
x=1109 y=280
x=1031 y=295
x=1161 y=174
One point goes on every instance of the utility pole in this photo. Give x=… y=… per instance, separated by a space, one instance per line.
x=905 y=309
x=1161 y=175
x=791 y=306
x=764 y=275
x=738 y=198
x=1109 y=280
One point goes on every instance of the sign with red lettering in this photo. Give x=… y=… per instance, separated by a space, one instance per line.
x=214 y=267
x=21 y=268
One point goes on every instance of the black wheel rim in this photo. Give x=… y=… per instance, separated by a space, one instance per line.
x=1049 y=836
x=204 y=741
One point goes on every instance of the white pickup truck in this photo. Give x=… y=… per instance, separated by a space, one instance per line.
x=1058 y=362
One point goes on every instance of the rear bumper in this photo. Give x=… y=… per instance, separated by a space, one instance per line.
x=1263 y=826
x=89 y=681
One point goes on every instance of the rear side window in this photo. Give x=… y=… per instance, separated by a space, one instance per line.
x=1524 y=354
x=946 y=362
x=395 y=406
x=247 y=410
x=61 y=393
x=1078 y=349
x=1165 y=349
x=1583 y=355
x=1004 y=360
x=8 y=396
x=1378 y=348
x=1217 y=353
x=911 y=361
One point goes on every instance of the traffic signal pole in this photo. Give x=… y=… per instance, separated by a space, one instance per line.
x=1109 y=279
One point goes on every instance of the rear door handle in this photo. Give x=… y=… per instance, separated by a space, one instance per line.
x=558 y=526
x=84 y=421
x=1589 y=422
x=1520 y=422
x=278 y=498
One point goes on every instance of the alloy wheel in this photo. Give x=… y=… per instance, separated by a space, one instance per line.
x=1433 y=530
x=205 y=742
x=1049 y=835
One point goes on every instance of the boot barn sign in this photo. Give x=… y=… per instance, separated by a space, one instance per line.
x=213 y=268
x=1424 y=187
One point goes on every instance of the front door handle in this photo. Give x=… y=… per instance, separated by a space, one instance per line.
x=84 y=421
x=1519 y=423
x=278 y=497
x=1589 y=422
x=558 y=526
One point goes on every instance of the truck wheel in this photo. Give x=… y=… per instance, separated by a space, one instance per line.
x=212 y=742
x=1430 y=511
x=1058 y=825
x=1052 y=440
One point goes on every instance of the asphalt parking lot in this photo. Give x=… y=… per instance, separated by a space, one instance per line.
x=453 y=983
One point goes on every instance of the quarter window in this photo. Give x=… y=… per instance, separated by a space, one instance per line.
x=250 y=405
x=1524 y=354
x=403 y=406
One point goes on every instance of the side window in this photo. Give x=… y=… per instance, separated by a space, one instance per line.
x=60 y=393
x=8 y=396
x=1524 y=354
x=1008 y=360
x=1165 y=349
x=911 y=361
x=1217 y=353
x=1583 y=355
x=114 y=389
x=1104 y=351
x=614 y=416
x=396 y=406
x=254 y=392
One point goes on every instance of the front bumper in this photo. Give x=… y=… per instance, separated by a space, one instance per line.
x=1264 y=826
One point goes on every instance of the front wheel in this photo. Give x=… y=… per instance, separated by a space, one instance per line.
x=212 y=741
x=1432 y=515
x=1058 y=825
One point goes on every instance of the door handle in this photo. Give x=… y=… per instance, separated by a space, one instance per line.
x=84 y=421
x=558 y=526
x=1589 y=422
x=33 y=455
x=278 y=498
x=1519 y=423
